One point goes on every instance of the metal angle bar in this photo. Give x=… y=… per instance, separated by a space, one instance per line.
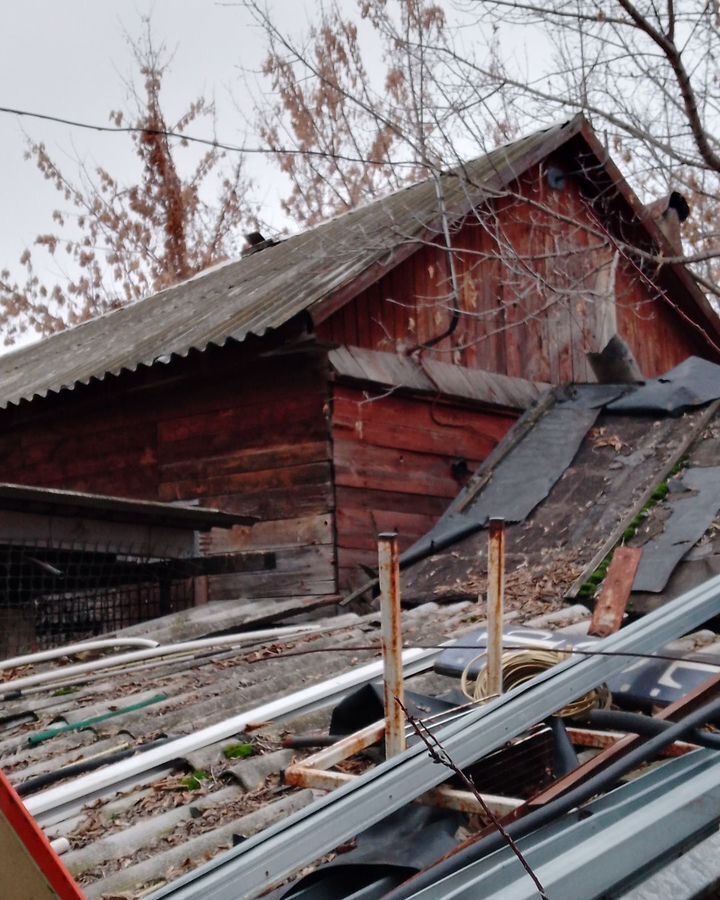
x=629 y=825
x=102 y=779
x=307 y=835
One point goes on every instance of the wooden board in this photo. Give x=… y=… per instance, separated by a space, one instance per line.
x=398 y=461
x=611 y=604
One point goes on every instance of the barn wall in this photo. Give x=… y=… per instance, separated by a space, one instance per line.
x=247 y=435
x=535 y=273
x=393 y=466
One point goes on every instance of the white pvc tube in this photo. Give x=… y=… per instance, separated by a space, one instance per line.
x=30 y=659
x=101 y=779
x=68 y=672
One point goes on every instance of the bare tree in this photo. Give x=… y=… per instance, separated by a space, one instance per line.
x=356 y=135
x=433 y=103
x=645 y=74
x=120 y=241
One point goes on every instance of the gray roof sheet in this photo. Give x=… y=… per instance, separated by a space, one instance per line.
x=145 y=834
x=265 y=289
x=432 y=376
x=53 y=501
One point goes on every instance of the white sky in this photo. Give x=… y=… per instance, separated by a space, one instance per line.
x=70 y=58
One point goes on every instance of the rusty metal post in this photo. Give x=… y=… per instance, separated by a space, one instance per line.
x=391 y=635
x=495 y=603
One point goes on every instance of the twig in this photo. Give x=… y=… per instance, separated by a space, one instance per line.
x=440 y=755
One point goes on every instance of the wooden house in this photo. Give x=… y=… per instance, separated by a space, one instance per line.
x=348 y=379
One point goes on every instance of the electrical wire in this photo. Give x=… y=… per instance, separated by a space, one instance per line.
x=519 y=666
x=191 y=139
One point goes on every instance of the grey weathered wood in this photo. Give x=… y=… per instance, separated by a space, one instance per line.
x=619 y=530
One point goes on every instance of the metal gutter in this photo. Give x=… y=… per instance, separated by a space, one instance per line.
x=629 y=826
x=259 y=862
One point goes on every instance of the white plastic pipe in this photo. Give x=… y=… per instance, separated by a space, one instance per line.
x=68 y=672
x=30 y=659
x=99 y=781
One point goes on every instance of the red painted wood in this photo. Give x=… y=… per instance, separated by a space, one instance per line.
x=37 y=845
x=393 y=466
x=527 y=271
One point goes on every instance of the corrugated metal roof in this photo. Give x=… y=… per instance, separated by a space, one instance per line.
x=266 y=289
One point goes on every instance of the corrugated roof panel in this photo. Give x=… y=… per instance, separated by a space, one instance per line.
x=260 y=291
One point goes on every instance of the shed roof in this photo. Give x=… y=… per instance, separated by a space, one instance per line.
x=313 y=271
x=157 y=827
x=56 y=502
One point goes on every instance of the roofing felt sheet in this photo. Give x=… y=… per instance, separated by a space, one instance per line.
x=532 y=467
x=690 y=518
x=528 y=471
x=694 y=382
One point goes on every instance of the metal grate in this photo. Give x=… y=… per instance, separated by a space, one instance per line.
x=50 y=595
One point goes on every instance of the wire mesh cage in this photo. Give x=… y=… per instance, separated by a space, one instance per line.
x=51 y=594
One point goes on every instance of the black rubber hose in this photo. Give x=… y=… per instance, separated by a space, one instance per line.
x=42 y=781
x=637 y=723
x=603 y=781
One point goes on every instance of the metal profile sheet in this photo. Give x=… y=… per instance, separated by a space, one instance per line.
x=628 y=826
x=685 y=876
x=267 y=858
x=693 y=383
x=689 y=520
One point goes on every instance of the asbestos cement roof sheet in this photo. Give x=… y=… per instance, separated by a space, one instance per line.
x=134 y=836
x=56 y=502
x=265 y=289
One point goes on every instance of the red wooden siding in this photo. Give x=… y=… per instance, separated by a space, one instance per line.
x=530 y=275
x=233 y=432
x=393 y=460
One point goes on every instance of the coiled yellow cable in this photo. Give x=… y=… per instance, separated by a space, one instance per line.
x=519 y=666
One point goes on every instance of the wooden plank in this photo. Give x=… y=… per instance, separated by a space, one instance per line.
x=369 y=499
x=436 y=442
x=246 y=459
x=363 y=466
x=275 y=534
x=610 y=607
x=421 y=411
x=303 y=500
x=249 y=482
x=147 y=541
x=242 y=420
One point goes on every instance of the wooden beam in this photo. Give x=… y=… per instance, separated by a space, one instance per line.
x=610 y=608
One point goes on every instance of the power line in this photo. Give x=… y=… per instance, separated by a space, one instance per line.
x=191 y=139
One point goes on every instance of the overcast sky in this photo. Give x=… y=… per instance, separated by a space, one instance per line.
x=70 y=59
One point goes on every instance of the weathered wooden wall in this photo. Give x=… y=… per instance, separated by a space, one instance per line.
x=227 y=429
x=393 y=461
x=535 y=272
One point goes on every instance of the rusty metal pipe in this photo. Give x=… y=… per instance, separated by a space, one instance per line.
x=495 y=605
x=391 y=637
